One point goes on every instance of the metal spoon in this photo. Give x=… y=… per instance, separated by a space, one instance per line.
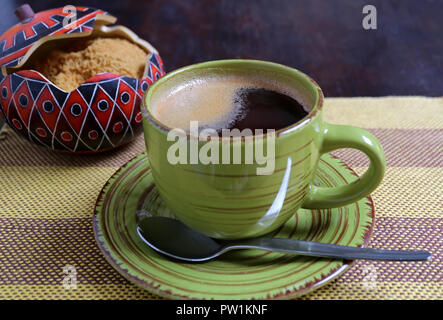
x=176 y=240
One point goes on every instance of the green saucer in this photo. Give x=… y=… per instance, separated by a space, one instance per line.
x=130 y=194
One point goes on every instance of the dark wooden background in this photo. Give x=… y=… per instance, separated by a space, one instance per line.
x=323 y=38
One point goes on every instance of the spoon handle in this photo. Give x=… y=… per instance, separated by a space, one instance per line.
x=326 y=250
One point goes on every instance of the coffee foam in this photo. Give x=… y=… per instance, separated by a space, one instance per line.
x=210 y=100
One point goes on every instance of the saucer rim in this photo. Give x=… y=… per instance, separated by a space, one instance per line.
x=294 y=293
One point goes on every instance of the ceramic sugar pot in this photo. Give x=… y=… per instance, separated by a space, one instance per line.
x=100 y=113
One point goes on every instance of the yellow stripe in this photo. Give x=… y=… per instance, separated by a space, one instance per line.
x=386 y=112
x=71 y=192
x=409 y=192
x=51 y=192
x=348 y=290
x=382 y=290
x=83 y=291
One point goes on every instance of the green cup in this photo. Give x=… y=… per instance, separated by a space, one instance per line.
x=233 y=200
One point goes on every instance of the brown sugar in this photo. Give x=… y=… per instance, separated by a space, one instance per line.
x=72 y=66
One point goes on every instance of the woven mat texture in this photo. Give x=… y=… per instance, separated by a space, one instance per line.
x=47 y=201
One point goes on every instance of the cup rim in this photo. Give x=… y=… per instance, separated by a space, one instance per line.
x=317 y=106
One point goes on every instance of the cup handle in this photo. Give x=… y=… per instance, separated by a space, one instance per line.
x=337 y=137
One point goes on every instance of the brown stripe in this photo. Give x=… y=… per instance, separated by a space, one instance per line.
x=295 y=151
x=246 y=175
x=14 y=147
x=307 y=174
x=38 y=257
x=43 y=224
x=403 y=148
x=17 y=151
x=404 y=234
x=294 y=197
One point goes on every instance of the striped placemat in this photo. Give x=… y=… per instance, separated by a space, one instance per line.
x=47 y=201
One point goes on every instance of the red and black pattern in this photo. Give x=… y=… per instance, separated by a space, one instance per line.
x=100 y=114
x=16 y=41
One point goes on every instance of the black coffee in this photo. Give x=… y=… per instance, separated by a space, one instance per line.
x=228 y=102
x=266 y=109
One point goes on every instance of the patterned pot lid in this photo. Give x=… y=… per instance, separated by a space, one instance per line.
x=49 y=24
